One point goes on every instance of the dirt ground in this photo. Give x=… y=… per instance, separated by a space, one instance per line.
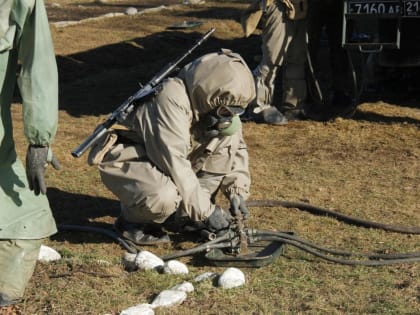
x=366 y=166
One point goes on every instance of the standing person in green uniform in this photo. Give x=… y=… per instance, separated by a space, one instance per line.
x=25 y=214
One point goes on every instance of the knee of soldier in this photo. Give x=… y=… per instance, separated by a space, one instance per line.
x=164 y=201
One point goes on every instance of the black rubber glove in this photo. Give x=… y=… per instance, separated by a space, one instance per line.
x=238 y=206
x=37 y=159
x=218 y=220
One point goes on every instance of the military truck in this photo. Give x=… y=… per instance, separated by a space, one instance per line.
x=387 y=32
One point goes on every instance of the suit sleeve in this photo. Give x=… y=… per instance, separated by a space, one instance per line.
x=167 y=142
x=38 y=78
x=238 y=180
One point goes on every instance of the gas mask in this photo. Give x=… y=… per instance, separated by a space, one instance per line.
x=223 y=121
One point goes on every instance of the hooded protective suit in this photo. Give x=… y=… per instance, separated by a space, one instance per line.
x=24 y=36
x=283 y=43
x=174 y=163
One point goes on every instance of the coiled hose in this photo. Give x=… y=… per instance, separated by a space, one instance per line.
x=231 y=239
x=336 y=215
x=371 y=259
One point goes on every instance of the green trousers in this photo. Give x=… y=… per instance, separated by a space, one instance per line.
x=17 y=263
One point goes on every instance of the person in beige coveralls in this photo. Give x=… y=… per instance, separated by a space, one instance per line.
x=283 y=35
x=187 y=146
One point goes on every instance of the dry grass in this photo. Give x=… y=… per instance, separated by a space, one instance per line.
x=367 y=166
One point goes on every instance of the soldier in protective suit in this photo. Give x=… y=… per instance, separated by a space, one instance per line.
x=187 y=145
x=25 y=215
x=283 y=26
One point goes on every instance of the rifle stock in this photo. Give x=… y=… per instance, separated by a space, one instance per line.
x=128 y=106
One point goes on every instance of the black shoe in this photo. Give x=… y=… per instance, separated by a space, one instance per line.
x=176 y=223
x=294 y=114
x=141 y=234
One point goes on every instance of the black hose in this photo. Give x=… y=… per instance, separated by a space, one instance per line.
x=196 y=250
x=264 y=233
x=319 y=95
x=339 y=216
x=316 y=250
x=339 y=260
x=356 y=92
x=82 y=228
x=224 y=239
x=227 y=241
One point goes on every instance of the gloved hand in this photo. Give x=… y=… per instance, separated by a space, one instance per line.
x=37 y=159
x=218 y=220
x=238 y=206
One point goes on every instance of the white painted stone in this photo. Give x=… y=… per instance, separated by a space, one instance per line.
x=168 y=298
x=131 y=11
x=141 y=309
x=186 y=2
x=111 y=14
x=231 y=278
x=175 y=267
x=205 y=276
x=129 y=256
x=65 y=23
x=185 y=286
x=129 y=261
x=108 y=15
x=146 y=260
x=47 y=254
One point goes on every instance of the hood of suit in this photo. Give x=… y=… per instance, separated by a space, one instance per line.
x=218 y=79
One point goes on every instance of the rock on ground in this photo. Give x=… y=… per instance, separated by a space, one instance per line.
x=231 y=278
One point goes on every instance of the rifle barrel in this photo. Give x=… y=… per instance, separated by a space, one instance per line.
x=124 y=109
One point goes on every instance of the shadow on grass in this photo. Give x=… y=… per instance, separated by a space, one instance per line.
x=378 y=118
x=69 y=208
x=97 y=81
x=80 y=210
x=221 y=13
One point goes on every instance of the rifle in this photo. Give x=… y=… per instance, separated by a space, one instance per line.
x=121 y=113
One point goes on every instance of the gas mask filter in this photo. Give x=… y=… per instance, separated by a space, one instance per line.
x=224 y=121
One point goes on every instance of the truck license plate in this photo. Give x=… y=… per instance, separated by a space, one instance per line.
x=412 y=8
x=375 y=7
x=406 y=8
